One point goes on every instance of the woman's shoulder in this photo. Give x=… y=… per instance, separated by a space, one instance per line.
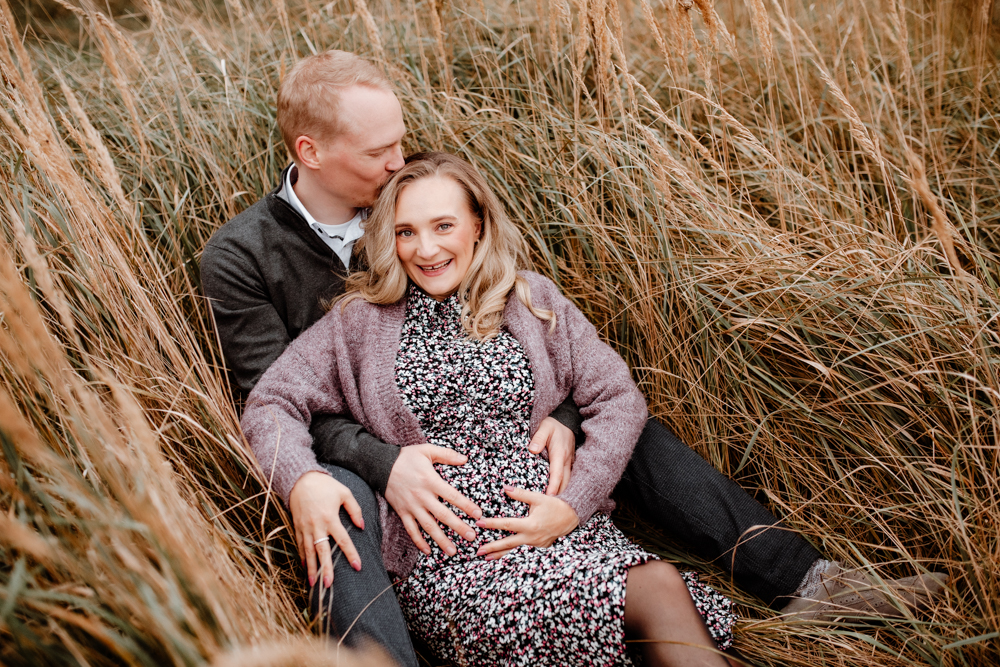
x=545 y=293
x=539 y=283
x=533 y=277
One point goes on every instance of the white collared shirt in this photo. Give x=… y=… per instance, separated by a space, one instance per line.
x=340 y=238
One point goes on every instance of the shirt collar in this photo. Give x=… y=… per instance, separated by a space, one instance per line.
x=350 y=231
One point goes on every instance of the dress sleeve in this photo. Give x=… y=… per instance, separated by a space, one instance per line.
x=613 y=409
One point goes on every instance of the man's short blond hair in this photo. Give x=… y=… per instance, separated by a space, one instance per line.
x=309 y=96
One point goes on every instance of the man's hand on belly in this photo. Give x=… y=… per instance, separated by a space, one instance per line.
x=415 y=491
x=561 y=444
x=549 y=518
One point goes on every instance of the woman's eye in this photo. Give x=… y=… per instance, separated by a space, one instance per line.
x=404 y=233
x=445 y=226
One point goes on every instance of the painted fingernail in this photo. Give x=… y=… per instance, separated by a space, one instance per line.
x=327 y=580
x=362 y=524
x=479 y=552
x=356 y=564
x=312 y=579
x=480 y=523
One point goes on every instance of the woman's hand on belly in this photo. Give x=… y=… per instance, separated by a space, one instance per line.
x=415 y=490
x=549 y=518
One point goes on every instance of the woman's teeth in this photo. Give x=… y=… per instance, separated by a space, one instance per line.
x=436 y=266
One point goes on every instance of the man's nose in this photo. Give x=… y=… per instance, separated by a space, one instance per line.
x=396 y=161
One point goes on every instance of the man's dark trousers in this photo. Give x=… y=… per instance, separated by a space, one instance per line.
x=362 y=604
x=708 y=514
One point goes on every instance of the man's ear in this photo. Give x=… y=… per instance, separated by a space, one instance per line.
x=305 y=148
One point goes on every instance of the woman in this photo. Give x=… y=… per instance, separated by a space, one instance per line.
x=441 y=340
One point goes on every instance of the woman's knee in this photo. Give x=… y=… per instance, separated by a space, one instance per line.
x=649 y=590
x=656 y=575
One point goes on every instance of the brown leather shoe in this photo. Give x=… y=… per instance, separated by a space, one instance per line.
x=853 y=594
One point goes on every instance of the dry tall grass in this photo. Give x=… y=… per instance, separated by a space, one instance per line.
x=784 y=215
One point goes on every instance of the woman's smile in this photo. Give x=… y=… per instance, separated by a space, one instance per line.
x=436 y=269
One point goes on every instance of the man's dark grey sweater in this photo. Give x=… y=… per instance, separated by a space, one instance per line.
x=269 y=277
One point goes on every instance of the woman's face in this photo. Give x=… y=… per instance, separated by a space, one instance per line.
x=436 y=234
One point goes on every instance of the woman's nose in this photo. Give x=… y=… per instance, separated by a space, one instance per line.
x=427 y=246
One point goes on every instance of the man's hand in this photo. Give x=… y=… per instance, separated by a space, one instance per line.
x=415 y=490
x=548 y=519
x=561 y=443
x=315 y=502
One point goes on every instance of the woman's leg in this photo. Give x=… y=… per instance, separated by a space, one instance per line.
x=659 y=610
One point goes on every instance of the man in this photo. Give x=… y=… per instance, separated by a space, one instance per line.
x=270 y=271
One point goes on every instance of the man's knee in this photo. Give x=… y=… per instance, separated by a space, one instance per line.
x=362 y=493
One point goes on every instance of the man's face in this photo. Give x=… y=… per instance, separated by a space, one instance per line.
x=359 y=160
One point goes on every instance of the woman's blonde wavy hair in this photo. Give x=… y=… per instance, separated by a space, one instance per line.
x=497 y=257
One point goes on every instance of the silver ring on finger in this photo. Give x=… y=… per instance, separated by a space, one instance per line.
x=322 y=539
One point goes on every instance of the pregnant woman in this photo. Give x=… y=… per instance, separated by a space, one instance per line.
x=443 y=341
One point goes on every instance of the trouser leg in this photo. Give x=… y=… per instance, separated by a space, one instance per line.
x=345 y=607
x=678 y=491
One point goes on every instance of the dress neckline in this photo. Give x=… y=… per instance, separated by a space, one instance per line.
x=421 y=300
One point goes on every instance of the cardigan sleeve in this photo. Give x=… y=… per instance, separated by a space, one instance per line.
x=302 y=383
x=613 y=409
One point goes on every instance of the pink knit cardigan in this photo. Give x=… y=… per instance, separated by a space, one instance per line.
x=345 y=364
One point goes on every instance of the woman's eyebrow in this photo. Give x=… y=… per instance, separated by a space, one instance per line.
x=439 y=218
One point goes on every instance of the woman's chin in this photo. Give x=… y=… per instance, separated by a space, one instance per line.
x=439 y=290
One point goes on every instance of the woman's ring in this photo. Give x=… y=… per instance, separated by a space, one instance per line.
x=322 y=539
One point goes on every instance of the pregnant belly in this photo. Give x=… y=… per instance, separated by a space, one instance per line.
x=488 y=469
x=482 y=479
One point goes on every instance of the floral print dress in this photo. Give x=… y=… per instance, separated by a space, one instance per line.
x=562 y=605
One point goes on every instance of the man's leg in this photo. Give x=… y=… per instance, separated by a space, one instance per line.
x=346 y=603
x=679 y=492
